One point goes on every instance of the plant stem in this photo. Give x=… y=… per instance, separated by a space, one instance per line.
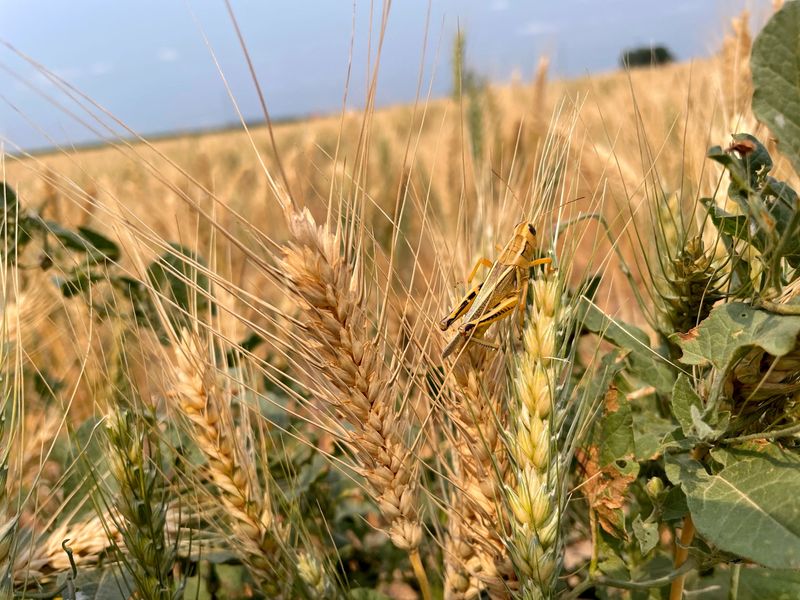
x=681 y=554
x=733 y=593
x=630 y=585
x=766 y=435
x=419 y=571
x=779 y=309
x=593 y=528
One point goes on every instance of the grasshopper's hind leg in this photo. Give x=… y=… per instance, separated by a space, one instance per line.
x=463 y=306
x=490 y=316
x=466 y=302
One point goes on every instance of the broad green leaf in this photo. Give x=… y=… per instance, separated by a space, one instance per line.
x=646 y=533
x=775 y=65
x=106 y=584
x=616 y=433
x=771 y=584
x=756 y=583
x=728 y=224
x=700 y=429
x=749 y=508
x=232 y=581
x=8 y=196
x=674 y=506
x=731 y=329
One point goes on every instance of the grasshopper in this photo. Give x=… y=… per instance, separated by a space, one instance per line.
x=503 y=290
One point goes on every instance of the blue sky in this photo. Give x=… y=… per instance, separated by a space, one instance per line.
x=147 y=62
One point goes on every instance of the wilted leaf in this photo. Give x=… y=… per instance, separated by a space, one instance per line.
x=731 y=329
x=605 y=489
x=775 y=64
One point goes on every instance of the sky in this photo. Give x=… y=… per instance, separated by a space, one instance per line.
x=153 y=63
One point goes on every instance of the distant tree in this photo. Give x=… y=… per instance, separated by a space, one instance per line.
x=645 y=56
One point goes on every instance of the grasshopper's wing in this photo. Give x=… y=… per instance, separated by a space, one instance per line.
x=500 y=283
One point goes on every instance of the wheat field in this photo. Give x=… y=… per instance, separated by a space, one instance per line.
x=246 y=396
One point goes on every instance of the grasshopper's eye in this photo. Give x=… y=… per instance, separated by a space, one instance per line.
x=532 y=229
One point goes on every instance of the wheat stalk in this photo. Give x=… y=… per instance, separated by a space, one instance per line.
x=141 y=502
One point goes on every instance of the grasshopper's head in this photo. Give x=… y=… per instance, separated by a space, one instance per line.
x=526 y=231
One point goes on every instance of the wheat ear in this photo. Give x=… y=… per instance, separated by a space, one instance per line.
x=356 y=381
x=201 y=399
x=475 y=555
x=533 y=531
x=141 y=501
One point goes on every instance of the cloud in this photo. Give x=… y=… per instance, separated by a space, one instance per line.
x=167 y=55
x=537 y=28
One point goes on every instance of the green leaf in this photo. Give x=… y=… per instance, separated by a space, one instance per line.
x=654 y=435
x=103 y=246
x=106 y=584
x=8 y=196
x=775 y=65
x=646 y=534
x=617 y=434
x=683 y=399
x=674 y=507
x=615 y=430
x=769 y=584
x=731 y=329
x=748 y=508
x=728 y=224
x=754 y=583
